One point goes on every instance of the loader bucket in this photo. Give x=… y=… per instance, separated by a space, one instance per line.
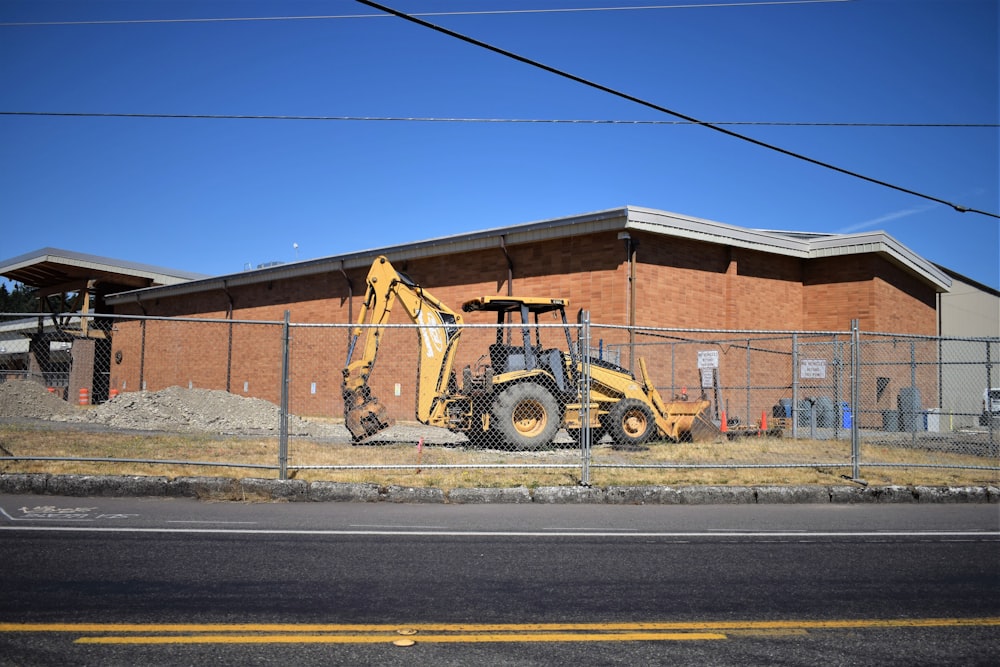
x=688 y=421
x=680 y=420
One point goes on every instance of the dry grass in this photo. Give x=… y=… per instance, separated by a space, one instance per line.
x=68 y=442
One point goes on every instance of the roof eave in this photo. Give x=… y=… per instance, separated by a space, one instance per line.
x=623 y=219
x=488 y=239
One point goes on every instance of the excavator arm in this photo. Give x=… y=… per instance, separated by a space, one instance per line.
x=438 y=333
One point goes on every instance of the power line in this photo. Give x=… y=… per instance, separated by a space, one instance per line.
x=656 y=107
x=564 y=10
x=435 y=119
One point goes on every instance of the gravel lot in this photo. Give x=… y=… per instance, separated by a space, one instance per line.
x=180 y=410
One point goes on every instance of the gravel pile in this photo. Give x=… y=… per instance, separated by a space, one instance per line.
x=172 y=409
x=30 y=400
x=196 y=410
x=180 y=410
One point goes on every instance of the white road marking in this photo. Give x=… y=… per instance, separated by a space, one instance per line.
x=393 y=527
x=987 y=535
x=234 y=523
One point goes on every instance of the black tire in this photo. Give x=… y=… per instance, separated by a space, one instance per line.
x=526 y=415
x=630 y=422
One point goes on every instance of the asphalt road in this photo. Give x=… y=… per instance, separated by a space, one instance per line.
x=163 y=582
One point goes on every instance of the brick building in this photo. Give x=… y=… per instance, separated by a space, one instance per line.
x=627 y=266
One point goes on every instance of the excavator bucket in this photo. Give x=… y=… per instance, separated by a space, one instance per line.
x=364 y=416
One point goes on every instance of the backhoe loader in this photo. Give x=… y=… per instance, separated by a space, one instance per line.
x=520 y=393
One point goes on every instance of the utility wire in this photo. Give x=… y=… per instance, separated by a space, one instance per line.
x=564 y=10
x=656 y=107
x=434 y=119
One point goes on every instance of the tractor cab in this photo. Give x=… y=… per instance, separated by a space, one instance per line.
x=533 y=345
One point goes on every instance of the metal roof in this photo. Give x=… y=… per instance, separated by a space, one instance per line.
x=663 y=223
x=52 y=270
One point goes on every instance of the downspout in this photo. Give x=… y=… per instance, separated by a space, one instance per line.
x=229 y=351
x=510 y=277
x=350 y=302
x=142 y=343
x=630 y=246
x=510 y=265
x=940 y=352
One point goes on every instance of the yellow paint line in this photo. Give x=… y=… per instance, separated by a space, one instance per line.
x=687 y=626
x=768 y=632
x=420 y=639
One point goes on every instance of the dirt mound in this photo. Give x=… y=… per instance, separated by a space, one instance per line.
x=179 y=410
x=172 y=409
x=200 y=410
x=30 y=400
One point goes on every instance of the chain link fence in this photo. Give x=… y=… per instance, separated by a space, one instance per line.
x=583 y=401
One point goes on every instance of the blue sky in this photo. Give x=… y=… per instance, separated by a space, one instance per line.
x=213 y=195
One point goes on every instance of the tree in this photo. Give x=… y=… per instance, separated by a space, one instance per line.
x=21 y=299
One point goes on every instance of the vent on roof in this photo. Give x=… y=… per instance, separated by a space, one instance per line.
x=266 y=265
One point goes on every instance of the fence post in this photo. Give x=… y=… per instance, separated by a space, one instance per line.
x=795 y=386
x=748 y=412
x=585 y=433
x=992 y=446
x=855 y=399
x=283 y=412
x=142 y=355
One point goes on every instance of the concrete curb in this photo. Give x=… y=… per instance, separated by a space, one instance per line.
x=268 y=490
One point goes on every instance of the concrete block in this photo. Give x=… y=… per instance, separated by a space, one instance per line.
x=951 y=494
x=516 y=495
x=893 y=494
x=204 y=488
x=560 y=495
x=643 y=495
x=23 y=483
x=766 y=495
x=410 y=494
x=294 y=490
x=718 y=495
x=343 y=492
x=108 y=486
x=850 y=494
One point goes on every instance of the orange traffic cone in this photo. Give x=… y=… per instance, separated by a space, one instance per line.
x=724 y=426
x=763 y=420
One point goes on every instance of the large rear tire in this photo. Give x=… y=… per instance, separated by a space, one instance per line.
x=526 y=415
x=630 y=422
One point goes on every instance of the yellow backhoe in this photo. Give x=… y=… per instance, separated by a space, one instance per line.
x=522 y=392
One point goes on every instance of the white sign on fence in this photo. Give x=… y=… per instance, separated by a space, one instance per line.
x=708 y=359
x=812 y=369
x=707 y=378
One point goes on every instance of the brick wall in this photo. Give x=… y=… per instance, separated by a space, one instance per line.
x=679 y=283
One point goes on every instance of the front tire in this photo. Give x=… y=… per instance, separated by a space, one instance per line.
x=526 y=415
x=630 y=422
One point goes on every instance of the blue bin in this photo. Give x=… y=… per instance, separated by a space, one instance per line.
x=845 y=415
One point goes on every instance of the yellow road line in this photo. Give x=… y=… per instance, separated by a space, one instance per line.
x=687 y=626
x=423 y=639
